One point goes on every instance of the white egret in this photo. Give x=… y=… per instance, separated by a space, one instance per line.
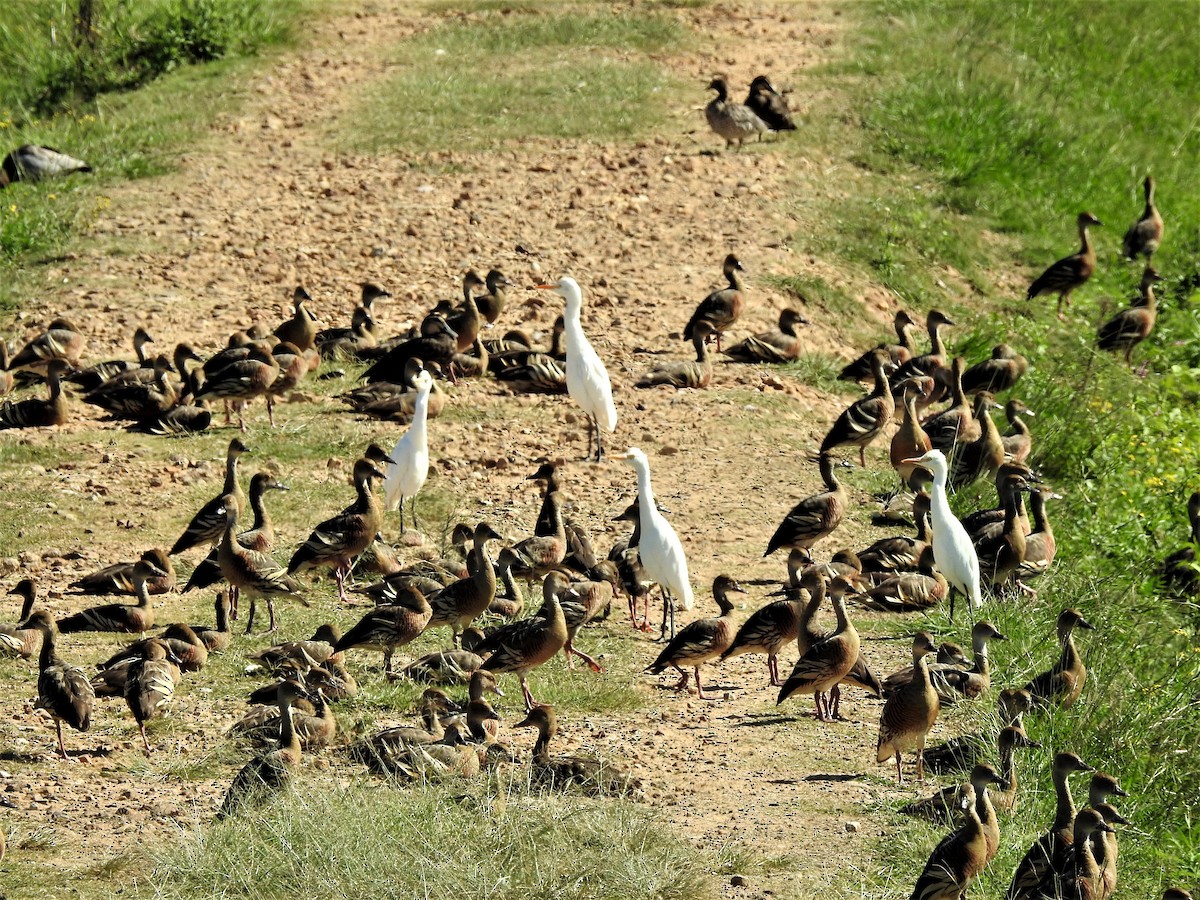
x=587 y=379
x=952 y=547
x=411 y=455
x=659 y=547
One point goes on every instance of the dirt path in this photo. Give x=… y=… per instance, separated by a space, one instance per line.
x=266 y=205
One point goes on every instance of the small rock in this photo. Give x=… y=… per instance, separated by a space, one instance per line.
x=668 y=450
x=737 y=880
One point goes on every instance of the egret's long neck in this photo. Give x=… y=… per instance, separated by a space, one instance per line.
x=573 y=325
x=420 y=414
x=645 y=493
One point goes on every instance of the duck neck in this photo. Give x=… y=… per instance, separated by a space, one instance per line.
x=49 y=654
x=910 y=412
x=830 y=479
x=1085 y=244
x=143 y=594
x=1008 y=771
x=231 y=480
x=541 y=747
x=55 y=386
x=902 y=337
x=937 y=348
x=982 y=664
x=701 y=345
x=839 y=610
x=882 y=386
x=1041 y=524
x=262 y=521
x=734 y=279
x=511 y=588
x=429 y=717
x=1064 y=813
x=484 y=573
x=288 y=739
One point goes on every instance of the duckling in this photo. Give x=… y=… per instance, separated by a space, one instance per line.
x=779 y=346
x=721 y=308
x=118 y=578
x=33 y=162
x=959 y=859
x=119 y=617
x=217 y=638
x=731 y=120
x=1063 y=682
x=520 y=647
x=909 y=713
x=907 y=591
x=19 y=640
x=435 y=345
x=1145 y=235
x=1131 y=326
x=96 y=374
x=769 y=105
x=928 y=363
x=897 y=354
x=592 y=775
x=1018 y=440
x=684 y=373
x=823 y=666
x=956 y=425
x=61 y=340
x=248 y=570
x=271 y=772
x=1070 y=272
x=150 y=686
x=208 y=524
x=64 y=691
x=587 y=379
x=301 y=329
x=703 y=640
x=337 y=541
x=998 y=374
x=35 y=412
x=1037 y=866
x=814 y=517
x=388 y=627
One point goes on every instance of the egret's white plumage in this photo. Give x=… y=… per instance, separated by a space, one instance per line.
x=587 y=379
x=952 y=548
x=659 y=547
x=411 y=455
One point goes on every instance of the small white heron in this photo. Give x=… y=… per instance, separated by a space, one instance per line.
x=952 y=548
x=587 y=379
x=411 y=455
x=659 y=547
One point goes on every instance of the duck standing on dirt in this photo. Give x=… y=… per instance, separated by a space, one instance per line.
x=769 y=105
x=701 y=641
x=731 y=120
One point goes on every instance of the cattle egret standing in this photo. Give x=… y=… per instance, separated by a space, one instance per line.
x=952 y=548
x=659 y=547
x=587 y=379
x=411 y=455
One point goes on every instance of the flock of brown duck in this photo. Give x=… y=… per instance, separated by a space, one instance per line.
x=1012 y=543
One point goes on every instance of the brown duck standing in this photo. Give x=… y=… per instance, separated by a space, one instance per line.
x=826 y=662
x=150 y=686
x=208 y=524
x=1144 y=235
x=910 y=440
x=769 y=105
x=772 y=627
x=389 y=627
x=865 y=419
x=909 y=713
x=1063 y=682
x=301 y=329
x=814 y=517
x=522 y=646
x=731 y=120
x=720 y=309
x=701 y=641
x=959 y=859
x=257 y=574
x=463 y=601
x=1070 y=272
x=1131 y=326
x=63 y=690
x=933 y=361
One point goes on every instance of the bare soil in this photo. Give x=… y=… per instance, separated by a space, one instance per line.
x=266 y=204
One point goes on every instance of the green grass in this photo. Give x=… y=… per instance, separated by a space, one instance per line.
x=545 y=74
x=986 y=126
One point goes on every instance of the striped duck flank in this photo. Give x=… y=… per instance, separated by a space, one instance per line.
x=435 y=346
x=118 y=578
x=1082 y=877
x=581 y=603
x=520 y=647
x=778 y=346
x=722 y=308
x=303 y=655
x=256 y=574
x=292 y=366
x=898 y=353
x=772 y=627
x=909 y=713
x=342 y=343
x=731 y=120
x=592 y=775
x=865 y=419
x=701 y=641
x=1001 y=557
x=815 y=579
x=389 y=627
x=96 y=374
x=815 y=517
x=908 y=591
x=1037 y=866
x=956 y=425
x=260 y=536
x=241 y=381
x=1070 y=272
x=901 y=553
x=187 y=651
x=1063 y=682
x=137 y=399
x=998 y=374
x=1131 y=326
x=336 y=542
x=208 y=525
x=150 y=686
x=36 y=412
x=1144 y=235
x=936 y=359
x=119 y=617
x=63 y=690
x=61 y=340
x=269 y=773
x=33 y=162
x=21 y=640
x=982 y=456
x=444 y=667
x=684 y=373
x=1018 y=440
x=380 y=751
x=465 y=600
x=823 y=666
x=769 y=105
x=301 y=329
x=959 y=859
